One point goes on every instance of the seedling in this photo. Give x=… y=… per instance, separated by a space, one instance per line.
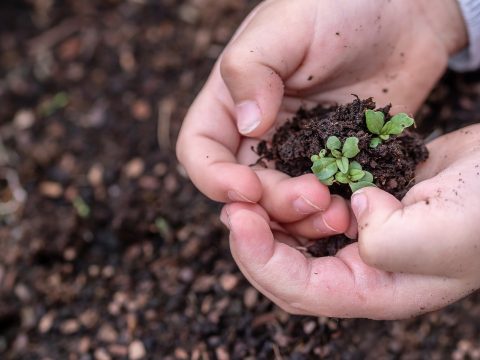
x=337 y=167
x=376 y=125
x=82 y=208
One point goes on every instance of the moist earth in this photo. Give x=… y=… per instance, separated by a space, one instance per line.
x=392 y=163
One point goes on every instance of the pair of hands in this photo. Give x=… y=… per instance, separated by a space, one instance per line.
x=412 y=256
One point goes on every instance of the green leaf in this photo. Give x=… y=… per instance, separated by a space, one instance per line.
x=314 y=158
x=322 y=163
x=368 y=177
x=324 y=168
x=355 y=165
x=384 y=136
x=342 y=164
x=337 y=154
x=356 y=175
x=328 y=181
x=342 y=178
x=334 y=143
x=350 y=147
x=374 y=120
x=82 y=208
x=375 y=142
x=397 y=124
x=359 y=185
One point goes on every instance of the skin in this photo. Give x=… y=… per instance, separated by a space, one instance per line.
x=323 y=52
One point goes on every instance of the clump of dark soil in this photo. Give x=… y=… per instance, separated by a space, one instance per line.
x=392 y=163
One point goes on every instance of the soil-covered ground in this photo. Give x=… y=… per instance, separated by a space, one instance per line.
x=106 y=249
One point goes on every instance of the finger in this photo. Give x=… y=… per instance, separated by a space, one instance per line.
x=332 y=221
x=341 y=286
x=255 y=64
x=207 y=145
x=352 y=230
x=257 y=213
x=420 y=236
x=289 y=199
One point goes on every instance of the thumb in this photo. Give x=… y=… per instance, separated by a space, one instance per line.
x=258 y=61
x=396 y=237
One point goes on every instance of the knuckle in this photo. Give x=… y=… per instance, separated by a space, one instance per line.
x=231 y=64
x=369 y=248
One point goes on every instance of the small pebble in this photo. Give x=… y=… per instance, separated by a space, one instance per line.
x=101 y=354
x=141 y=110
x=250 y=297
x=95 y=175
x=46 y=323
x=107 y=333
x=136 y=350
x=24 y=119
x=134 y=168
x=51 y=189
x=69 y=327
x=228 y=281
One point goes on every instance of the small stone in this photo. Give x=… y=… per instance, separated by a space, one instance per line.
x=107 y=334
x=69 y=326
x=22 y=292
x=204 y=283
x=141 y=110
x=136 y=350
x=181 y=354
x=134 y=168
x=160 y=169
x=46 y=323
x=51 y=189
x=101 y=354
x=69 y=254
x=222 y=354
x=93 y=270
x=84 y=345
x=95 y=175
x=118 y=350
x=309 y=327
x=228 y=281
x=108 y=271
x=250 y=297
x=24 y=119
x=20 y=343
x=186 y=275
x=89 y=318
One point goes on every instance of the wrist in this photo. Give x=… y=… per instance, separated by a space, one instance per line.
x=446 y=21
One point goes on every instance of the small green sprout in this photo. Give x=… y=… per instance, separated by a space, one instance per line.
x=59 y=101
x=376 y=125
x=81 y=207
x=337 y=166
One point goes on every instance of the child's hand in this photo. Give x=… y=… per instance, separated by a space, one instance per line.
x=412 y=257
x=291 y=53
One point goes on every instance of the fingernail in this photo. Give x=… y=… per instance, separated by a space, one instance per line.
x=237 y=197
x=305 y=206
x=225 y=218
x=321 y=223
x=248 y=116
x=359 y=203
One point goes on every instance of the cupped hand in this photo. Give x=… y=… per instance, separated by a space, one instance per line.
x=289 y=54
x=412 y=256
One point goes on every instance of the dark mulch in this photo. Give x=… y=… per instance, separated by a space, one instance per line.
x=113 y=252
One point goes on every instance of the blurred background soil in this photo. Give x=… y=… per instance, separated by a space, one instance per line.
x=106 y=249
